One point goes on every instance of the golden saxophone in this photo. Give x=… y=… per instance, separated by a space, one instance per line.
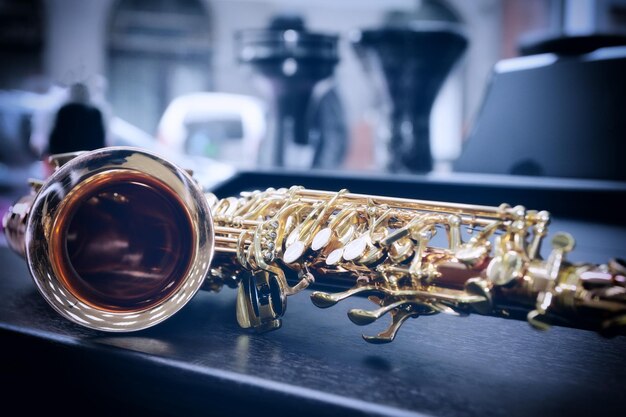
x=119 y=239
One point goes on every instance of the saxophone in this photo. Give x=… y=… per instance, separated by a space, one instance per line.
x=120 y=239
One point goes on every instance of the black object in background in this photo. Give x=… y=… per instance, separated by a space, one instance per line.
x=411 y=62
x=307 y=126
x=78 y=125
x=553 y=114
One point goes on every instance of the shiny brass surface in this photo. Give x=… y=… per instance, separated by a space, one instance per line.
x=116 y=239
x=119 y=239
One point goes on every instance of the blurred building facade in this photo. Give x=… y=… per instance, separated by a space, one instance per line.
x=150 y=52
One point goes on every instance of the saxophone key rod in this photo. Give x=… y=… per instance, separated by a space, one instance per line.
x=435 y=206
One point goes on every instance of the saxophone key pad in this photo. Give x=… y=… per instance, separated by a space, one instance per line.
x=294 y=252
x=355 y=249
x=321 y=239
x=293 y=236
x=334 y=257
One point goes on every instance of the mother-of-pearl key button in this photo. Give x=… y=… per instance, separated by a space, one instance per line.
x=355 y=249
x=321 y=238
x=471 y=255
x=292 y=236
x=334 y=257
x=293 y=252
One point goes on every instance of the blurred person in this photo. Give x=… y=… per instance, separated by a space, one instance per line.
x=79 y=125
x=98 y=86
x=44 y=110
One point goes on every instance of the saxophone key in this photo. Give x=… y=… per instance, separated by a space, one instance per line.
x=334 y=257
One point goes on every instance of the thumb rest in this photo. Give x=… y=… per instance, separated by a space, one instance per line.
x=119 y=240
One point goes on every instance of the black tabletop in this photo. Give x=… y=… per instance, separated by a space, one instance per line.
x=200 y=362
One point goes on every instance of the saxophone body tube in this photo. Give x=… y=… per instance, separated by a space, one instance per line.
x=119 y=239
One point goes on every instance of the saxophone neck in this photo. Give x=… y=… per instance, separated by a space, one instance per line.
x=14 y=221
x=14 y=224
x=582 y=295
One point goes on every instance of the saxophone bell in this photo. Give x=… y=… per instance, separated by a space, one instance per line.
x=116 y=239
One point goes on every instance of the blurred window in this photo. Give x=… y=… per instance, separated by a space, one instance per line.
x=158 y=50
x=21 y=41
x=225 y=127
x=204 y=137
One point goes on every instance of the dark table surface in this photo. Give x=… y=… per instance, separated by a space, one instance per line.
x=201 y=363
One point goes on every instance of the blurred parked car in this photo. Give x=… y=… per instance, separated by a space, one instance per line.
x=224 y=127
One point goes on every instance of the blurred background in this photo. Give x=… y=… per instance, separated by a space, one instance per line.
x=431 y=87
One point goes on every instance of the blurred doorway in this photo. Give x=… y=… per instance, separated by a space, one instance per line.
x=157 y=51
x=21 y=42
x=21 y=54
